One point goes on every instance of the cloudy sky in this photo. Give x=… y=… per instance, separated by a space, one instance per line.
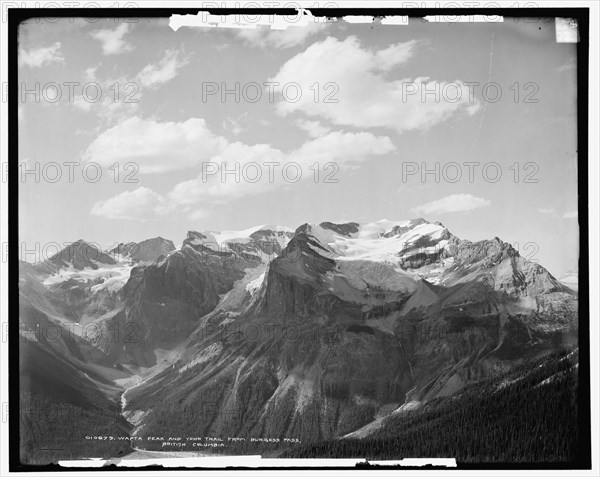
x=330 y=122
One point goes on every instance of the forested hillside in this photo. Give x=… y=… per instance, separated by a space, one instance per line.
x=529 y=415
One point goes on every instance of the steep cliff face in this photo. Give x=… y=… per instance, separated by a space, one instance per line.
x=164 y=300
x=349 y=323
x=151 y=298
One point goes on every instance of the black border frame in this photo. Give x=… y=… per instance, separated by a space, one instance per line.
x=17 y=15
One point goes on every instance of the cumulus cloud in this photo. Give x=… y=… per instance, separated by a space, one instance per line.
x=233 y=126
x=141 y=203
x=167 y=68
x=112 y=39
x=570 y=215
x=451 y=203
x=226 y=170
x=39 y=57
x=313 y=128
x=251 y=175
x=291 y=36
x=159 y=147
x=106 y=108
x=355 y=89
x=155 y=146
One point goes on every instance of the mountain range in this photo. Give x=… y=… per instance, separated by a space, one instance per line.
x=321 y=333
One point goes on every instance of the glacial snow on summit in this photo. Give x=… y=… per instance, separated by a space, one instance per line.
x=109 y=277
x=241 y=236
x=382 y=241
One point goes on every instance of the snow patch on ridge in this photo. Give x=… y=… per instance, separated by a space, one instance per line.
x=114 y=276
x=243 y=236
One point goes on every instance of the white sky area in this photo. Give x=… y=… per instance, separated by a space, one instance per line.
x=158 y=111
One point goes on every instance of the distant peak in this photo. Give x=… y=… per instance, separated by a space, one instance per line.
x=342 y=229
x=79 y=255
x=156 y=239
x=194 y=233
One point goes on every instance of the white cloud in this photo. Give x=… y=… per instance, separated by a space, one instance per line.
x=345 y=150
x=106 y=108
x=451 y=203
x=112 y=39
x=116 y=105
x=155 y=146
x=355 y=90
x=112 y=105
x=570 y=215
x=89 y=74
x=41 y=56
x=232 y=126
x=546 y=211
x=160 y=147
x=291 y=36
x=141 y=204
x=167 y=68
x=313 y=128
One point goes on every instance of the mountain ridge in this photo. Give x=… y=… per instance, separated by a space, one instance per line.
x=310 y=333
x=460 y=312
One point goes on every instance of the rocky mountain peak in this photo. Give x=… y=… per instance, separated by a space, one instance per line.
x=80 y=255
x=147 y=250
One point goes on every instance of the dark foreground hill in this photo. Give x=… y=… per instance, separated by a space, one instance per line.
x=526 y=416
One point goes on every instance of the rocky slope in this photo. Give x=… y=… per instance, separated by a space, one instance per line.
x=75 y=256
x=540 y=395
x=145 y=251
x=349 y=322
x=152 y=297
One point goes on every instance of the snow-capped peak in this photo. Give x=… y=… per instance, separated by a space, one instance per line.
x=384 y=240
x=236 y=236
